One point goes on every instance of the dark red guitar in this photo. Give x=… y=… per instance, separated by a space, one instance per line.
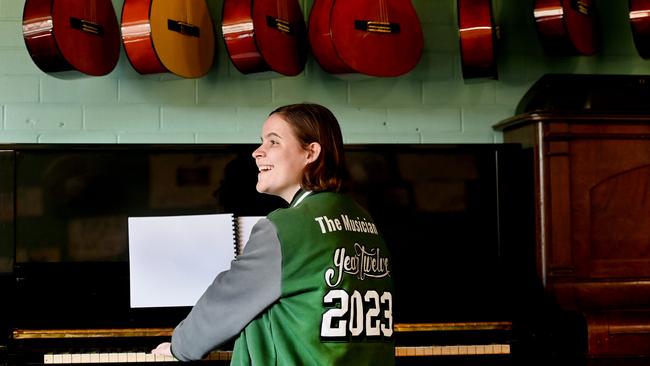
x=478 y=39
x=640 y=22
x=72 y=38
x=567 y=27
x=372 y=37
x=265 y=35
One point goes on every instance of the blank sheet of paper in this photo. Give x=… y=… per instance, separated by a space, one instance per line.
x=173 y=259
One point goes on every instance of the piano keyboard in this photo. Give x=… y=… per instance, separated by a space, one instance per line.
x=135 y=357
x=454 y=350
x=122 y=357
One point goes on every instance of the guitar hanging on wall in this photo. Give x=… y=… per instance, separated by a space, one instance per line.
x=567 y=27
x=373 y=37
x=175 y=36
x=478 y=39
x=72 y=38
x=265 y=35
x=640 y=23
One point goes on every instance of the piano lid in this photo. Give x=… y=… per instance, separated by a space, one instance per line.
x=588 y=93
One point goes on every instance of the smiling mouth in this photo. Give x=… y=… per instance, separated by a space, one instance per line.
x=265 y=168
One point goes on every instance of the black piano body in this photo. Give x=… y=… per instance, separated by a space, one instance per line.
x=453 y=215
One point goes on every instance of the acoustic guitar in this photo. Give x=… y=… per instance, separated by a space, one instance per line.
x=567 y=27
x=640 y=22
x=374 y=37
x=265 y=35
x=72 y=38
x=478 y=39
x=175 y=36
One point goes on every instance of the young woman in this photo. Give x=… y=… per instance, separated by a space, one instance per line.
x=313 y=286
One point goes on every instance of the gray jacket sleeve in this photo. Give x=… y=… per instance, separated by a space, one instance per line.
x=234 y=298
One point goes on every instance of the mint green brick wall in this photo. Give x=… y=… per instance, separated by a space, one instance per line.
x=431 y=104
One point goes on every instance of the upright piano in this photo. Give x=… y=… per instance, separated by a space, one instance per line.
x=462 y=246
x=587 y=138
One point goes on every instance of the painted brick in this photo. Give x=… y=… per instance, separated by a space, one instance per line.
x=24 y=88
x=43 y=117
x=235 y=91
x=510 y=93
x=454 y=138
x=330 y=90
x=86 y=137
x=481 y=119
x=12 y=9
x=360 y=120
x=199 y=118
x=173 y=91
x=250 y=120
x=229 y=107
x=435 y=11
x=458 y=92
x=150 y=138
x=122 y=118
x=11 y=34
x=18 y=137
x=423 y=120
x=434 y=66
x=17 y=62
x=386 y=91
x=383 y=138
x=95 y=90
x=246 y=137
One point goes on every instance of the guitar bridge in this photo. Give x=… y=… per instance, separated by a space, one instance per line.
x=279 y=24
x=376 y=27
x=183 y=28
x=86 y=26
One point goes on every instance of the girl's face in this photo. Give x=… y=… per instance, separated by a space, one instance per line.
x=280 y=159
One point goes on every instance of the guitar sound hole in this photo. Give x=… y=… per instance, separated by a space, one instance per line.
x=86 y=26
x=279 y=24
x=183 y=28
x=376 y=27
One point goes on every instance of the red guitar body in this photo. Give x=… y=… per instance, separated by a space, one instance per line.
x=72 y=38
x=478 y=39
x=138 y=45
x=640 y=22
x=372 y=37
x=567 y=27
x=265 y=35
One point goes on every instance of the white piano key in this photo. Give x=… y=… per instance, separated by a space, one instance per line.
x=113 y=357
x=48 y=358
x=85 y=358
x=57 y=358
x=131 y=357
x=121 y=357
x=76 y=358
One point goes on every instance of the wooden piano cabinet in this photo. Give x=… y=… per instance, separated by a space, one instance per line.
x=592 y=192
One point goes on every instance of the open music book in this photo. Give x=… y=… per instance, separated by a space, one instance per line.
x=173 y=259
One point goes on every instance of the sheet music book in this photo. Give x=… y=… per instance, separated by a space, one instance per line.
x=173 y=259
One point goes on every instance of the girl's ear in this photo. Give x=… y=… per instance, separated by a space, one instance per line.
x=313 y=152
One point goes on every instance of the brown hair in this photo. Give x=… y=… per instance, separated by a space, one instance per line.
x=315 y=123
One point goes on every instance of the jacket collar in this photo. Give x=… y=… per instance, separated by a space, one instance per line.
x=298 y=197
